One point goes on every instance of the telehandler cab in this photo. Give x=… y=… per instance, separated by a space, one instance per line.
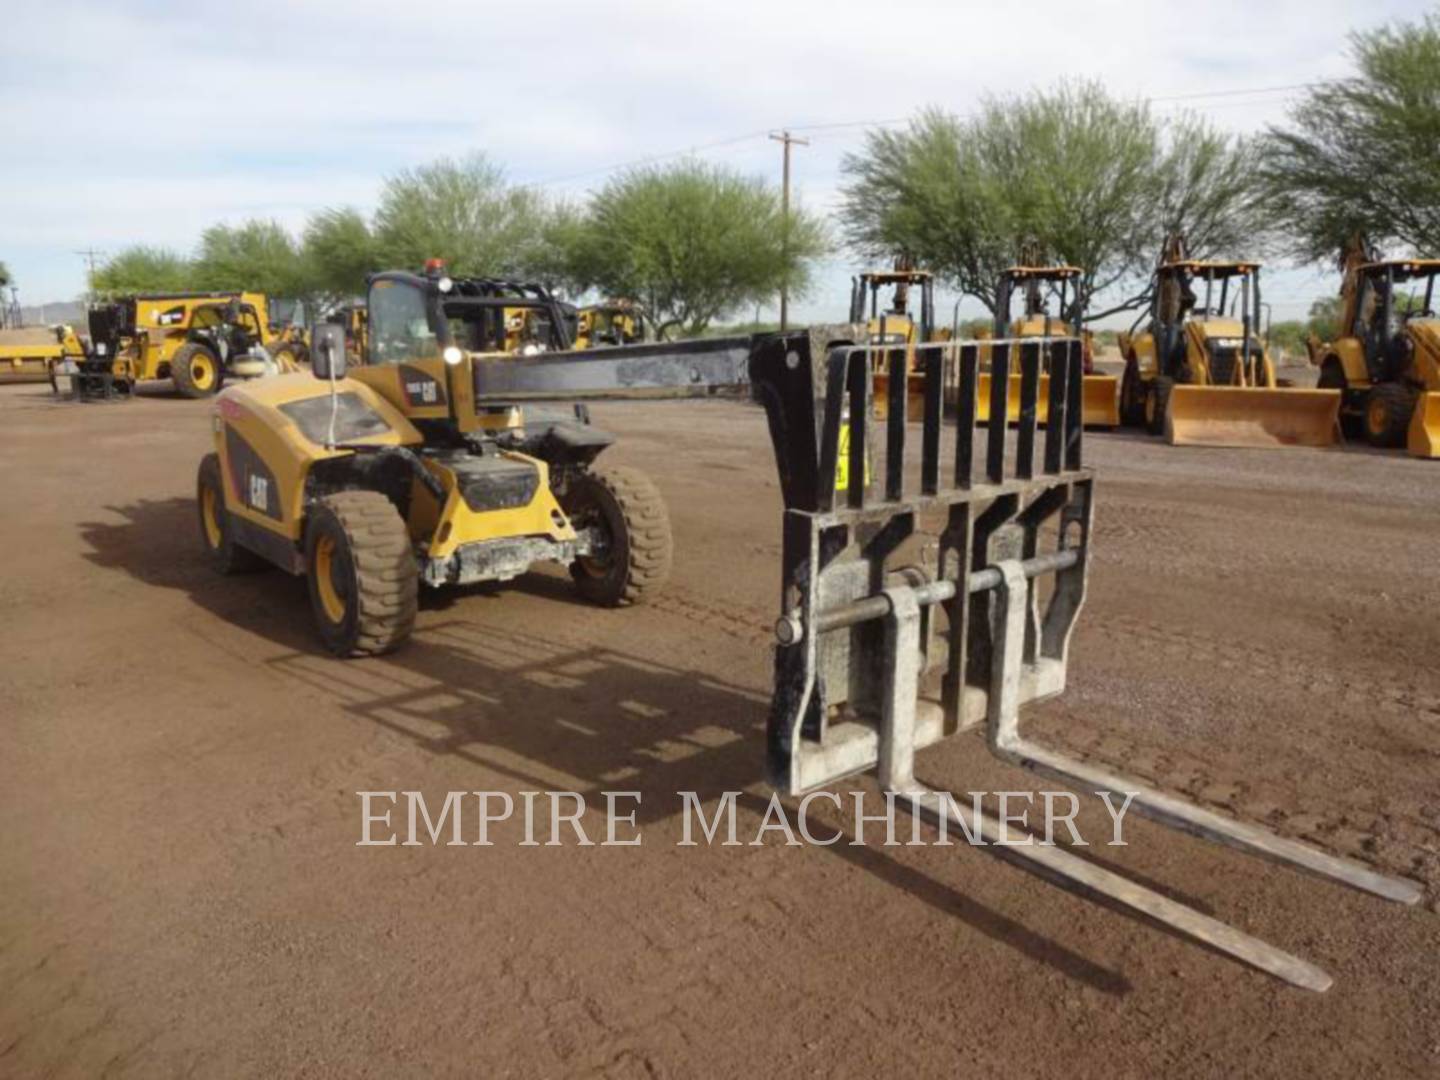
x=420 y=467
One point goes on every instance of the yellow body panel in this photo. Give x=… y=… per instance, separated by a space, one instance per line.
x=282 y=455
x=457 y=524
x=1424 y=434
x=1245 y=416
x=27 y=353
x=1100 y=403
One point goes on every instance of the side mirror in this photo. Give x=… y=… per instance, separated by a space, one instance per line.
x=327 y=352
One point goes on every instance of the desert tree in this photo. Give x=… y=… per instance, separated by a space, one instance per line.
x=1362 y=154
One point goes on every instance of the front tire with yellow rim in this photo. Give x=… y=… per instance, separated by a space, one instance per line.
x=362 y=574
x=1388 y=408
x=195 y=371
x=225 y=555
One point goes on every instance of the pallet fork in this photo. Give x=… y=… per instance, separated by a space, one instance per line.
x=856 y=635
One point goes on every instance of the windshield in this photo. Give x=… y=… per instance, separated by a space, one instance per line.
x=400 y=329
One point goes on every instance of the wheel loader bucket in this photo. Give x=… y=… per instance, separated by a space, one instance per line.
x=882 y=652
x=1246 y=416
x=1424 y=440
x=1099 y=400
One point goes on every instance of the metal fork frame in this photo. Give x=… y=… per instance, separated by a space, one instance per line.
x=1000 y=651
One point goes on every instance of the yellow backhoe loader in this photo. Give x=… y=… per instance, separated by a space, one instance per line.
x=421 y=468
x=895 y=325
x=1200 y=375
x=613 y=322
x=1386 y=363
x=1099 y=393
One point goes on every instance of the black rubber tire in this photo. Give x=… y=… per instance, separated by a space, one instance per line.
x=1132 y=397
x=1158 y=403
x=183 y=377
x=1388 y=409
x=626 y=504
x=373 y=571
x=225 y=555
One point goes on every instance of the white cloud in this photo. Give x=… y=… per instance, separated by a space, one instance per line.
x=146 y=122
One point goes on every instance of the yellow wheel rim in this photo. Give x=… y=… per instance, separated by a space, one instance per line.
x=202 y=372
x=1375 y=417
x=210 y=517
x=324 y=571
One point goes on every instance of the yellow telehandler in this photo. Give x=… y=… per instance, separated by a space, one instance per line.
x=1386 y=363
x=424 y=468
x=1200 y=376
x=196 y=340
x=613 y=322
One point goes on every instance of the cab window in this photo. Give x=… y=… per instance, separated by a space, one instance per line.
x=400 y=329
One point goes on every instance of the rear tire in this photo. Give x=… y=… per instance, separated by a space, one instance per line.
x=1388 y=409
x=224 y=553
x=362 y=576
x=630 y=512
x=195 y=371
x=1157 y=404
x=1132 y=397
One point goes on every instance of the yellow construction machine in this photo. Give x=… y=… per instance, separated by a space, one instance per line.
x=613 y=322
x=352 y=319
x=426 y=466
x=1386 y=363
x=1199 y=374
x=33 y=353
x=1098 y=393
x=196 y=340
x=894 y=325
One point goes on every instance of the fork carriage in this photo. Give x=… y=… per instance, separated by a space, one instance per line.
x=863 y=633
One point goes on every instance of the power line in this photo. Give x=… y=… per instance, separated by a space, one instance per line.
x=839 y=125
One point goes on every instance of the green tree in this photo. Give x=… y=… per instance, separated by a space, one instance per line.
x=339 y=250
x=462 y=211
x=4 y=275
x=142 y=269
x=693 y=242
x=257 y=255
x=1363 y=154
x=1324 y=321
x=1092 y=180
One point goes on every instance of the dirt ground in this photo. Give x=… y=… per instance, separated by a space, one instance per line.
x=181 y=891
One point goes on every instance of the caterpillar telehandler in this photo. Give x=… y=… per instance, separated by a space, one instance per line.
x=196 y=340
x=1098 y=392
x=1386 y=362
x=1200 y=376
x=420 y=466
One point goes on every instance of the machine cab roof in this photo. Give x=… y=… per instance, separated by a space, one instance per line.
x=1204 y=268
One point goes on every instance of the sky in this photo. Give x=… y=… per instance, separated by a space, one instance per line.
x=145 y=122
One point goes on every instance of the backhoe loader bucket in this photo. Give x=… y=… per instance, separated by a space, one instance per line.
x=1099 y=400
x=1247 y=416
x=880 y=654
x=1424 y=439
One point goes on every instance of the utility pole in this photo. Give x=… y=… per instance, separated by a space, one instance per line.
x=788 y=140
x=90 y=255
